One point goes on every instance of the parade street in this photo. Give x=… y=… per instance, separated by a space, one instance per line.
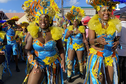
x=18 y=77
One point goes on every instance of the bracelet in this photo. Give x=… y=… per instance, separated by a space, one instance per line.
x=31 y=61
x=95 y=41
x=2 y=44
x=30 y=57
x=117 y=39
x=68 y=34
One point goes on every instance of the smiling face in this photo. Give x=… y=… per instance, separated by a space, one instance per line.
x=44 y=21
x=76 y=23
x=105 y=13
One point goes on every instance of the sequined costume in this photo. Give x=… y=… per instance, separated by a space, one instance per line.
x=66 y=54
x=99 y=59
x=75 y=39
x=21 y=36
x=48 y=57
x=11 y=43
x=51 y=59
x=75 y=42
x=4 y=65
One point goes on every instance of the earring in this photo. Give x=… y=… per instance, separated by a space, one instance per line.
x=40 y=29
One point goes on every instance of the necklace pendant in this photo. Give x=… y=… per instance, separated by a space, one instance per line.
x=44 y=35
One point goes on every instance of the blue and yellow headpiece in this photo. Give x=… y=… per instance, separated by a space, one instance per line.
x=34 y=8
x=75 y=13
x=100 y=3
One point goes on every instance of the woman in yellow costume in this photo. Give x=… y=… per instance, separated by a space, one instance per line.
x=22 y=35
x=76 y=37
x=103 y=60
x=46 y=41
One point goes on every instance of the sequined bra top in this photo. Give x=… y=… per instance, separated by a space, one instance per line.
x=78 y=38
x=44 y=50
x=108 y=47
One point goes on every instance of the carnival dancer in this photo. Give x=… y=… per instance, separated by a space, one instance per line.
x=11 y=41
x=45 y=41
x=22 y=35
x=103 y=60
x=76 y=32
x=63 y=37
x=3 y=42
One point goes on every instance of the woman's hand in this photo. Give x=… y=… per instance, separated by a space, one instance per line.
x=87 y=47
x=1 y=43
x=2 y=53
x=101 y=40
x=69 y=33
x=115 y=44
x=63 y=65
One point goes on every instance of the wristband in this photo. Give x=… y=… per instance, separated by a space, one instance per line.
x=95 y=41
x=31 y=61
x=2 y=44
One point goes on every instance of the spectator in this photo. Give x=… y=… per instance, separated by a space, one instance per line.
x=122 y=51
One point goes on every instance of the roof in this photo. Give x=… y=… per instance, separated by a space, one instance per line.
x=10 y=15
x=2 y=15
x=81 y=7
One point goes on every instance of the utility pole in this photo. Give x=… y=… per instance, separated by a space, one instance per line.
x=62 y=11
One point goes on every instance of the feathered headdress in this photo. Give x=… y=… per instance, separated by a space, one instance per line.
x=24 y=24
x=34 y=8
x=75 y=13
x=100 y=3
x=15 y=18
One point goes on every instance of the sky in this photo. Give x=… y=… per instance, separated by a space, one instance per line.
x=14 y=6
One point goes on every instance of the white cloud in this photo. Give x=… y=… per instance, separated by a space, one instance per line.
x=4 y=1
x=8 y=11
x=73 y=2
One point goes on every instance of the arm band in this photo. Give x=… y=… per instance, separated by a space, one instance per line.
x=31 y=61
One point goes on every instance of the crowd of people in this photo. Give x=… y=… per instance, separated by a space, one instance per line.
x=50 y=50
